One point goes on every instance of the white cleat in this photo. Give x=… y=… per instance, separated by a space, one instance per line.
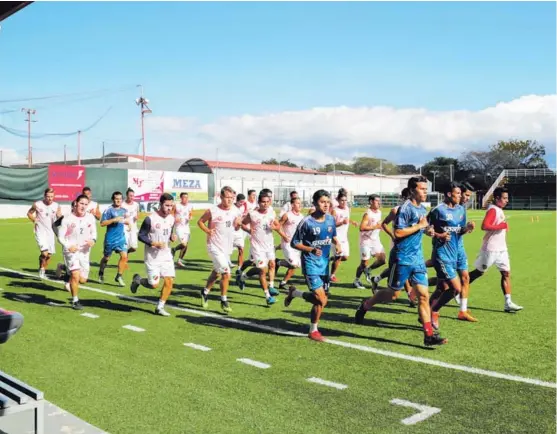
x=511 y=307
x=161 y=312
x=358 y=284
x=42 y=273
x=68 y=287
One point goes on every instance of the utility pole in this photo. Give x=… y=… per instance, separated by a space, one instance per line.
x=29 y=112
x=65 y=160
x=142 y=102
x=79 y=148
x=103 y=154
x=1 y=157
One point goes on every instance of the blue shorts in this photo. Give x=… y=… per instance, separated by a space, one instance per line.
x=316 y=282
x=116 y=247
x=446 y=270
x=415 y=274
x=391 y=258
x=462 y=261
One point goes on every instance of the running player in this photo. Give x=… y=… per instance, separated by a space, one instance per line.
x=370 y=243
x=219 y=223
x=183 y=212
x=78 y=234
x=313 y=238
x=132 y=214
x=252 y=200
x=93 y=206
x=288 y=205
x=408 y=259
x=157 y=232
x=261 y=223
x=342 y=218
x=114 y=220
x=240 y=236
x=292 y=257
x=43 y=213
x=494 y=249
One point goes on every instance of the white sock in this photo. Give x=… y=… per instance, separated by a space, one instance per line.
x=272 y=285
x=283 y=282
x=75 y=299
x=508 y=298
x=312 y=328
x=332 y=275
x=463 y=304
x=224 y=298
x=161 y=304
x=205 y=291
x=297 y=293
x=376 y=279
x=267 y=295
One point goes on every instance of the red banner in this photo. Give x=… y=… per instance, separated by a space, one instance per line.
x=67 y=181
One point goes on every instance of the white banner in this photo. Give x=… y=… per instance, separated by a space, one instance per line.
x=148 y=185
x=195 y=184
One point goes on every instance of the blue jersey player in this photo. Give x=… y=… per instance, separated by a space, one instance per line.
x=314 y=236
x=408 y=259
x=113 y=218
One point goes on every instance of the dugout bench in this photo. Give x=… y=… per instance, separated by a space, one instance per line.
x=16 y=397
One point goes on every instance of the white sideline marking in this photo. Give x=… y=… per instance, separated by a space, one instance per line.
x=53 y=303
x=327 y=383
x=133 y=328
x=423 y=360
x=197 y=347
x=255 y=363
x=23 y=296
x=89 y=315
x=425 y=411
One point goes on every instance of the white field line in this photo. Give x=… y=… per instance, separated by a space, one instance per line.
x=89 y=315
x=197 y=347
x=425 y=411
x=365 y=348
x=255 y=363
x=338 y=386
x=133 y=328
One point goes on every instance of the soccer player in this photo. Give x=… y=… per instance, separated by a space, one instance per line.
x=408 y=259
x=252 y=200
x=342 y=218
x=219 y=223
x=132 y=214
x=494 y=249
x=157 y=232
x=43 y=214
x=288 y=205
x=240 y=236
x=261 y=223
x=78 y=234
x=93 y=206
x=292 y=257
x=114 y=220
x=370 y=243
x=313 y=238
x=183 y=212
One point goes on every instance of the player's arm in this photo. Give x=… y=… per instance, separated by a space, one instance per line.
x=107 y=218
x=366 y=226
x=143 y=234
x=202 y=222
x=67 y=242
x=488 y=223
x=403 y=228
x=97 y=212
x=93 y=231
x=58 y=212
x=246 y=224
x=277 y=227
x=468 y=226
x=385 y=223
x=297 y=240
x=32 y=213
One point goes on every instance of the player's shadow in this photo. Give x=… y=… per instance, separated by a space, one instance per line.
x=32 y=284
x=39 y=299
x=11 y=275
x=110 y=305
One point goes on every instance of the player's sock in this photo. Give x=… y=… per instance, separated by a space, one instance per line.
x=428 y=329
x=118 y=275
x=272 y=284
x=161 y=304
x=267 y=294
x=224 y=298
x=508 y=298
x=206 y=291
x=75 y=299
x=312 y=327
x=463 y=304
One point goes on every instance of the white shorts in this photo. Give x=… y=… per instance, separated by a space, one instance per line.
x=293 y=256
x=487 y=259
x=261 y=258
x=159 y=269
x=345 y=246
x=369 y=251
x=78 y=261
x=183 y=233
x=131 y=237
x=239 y=239
x=46 y=241
x=221 y=262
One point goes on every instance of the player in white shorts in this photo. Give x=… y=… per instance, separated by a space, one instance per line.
x=132 y=214
x=342 y=218
x=93 y=206
x=220 y=222
x=78 y=234
x=292 y=257
x=494 y=249
x=370 y=243
x=261 y=223
x=240 y=235
x=183 y=212
x=157 y=232
x=43 y=213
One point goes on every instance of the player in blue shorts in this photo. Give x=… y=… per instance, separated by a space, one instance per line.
x=113 y=218
x=408 y=259
x=313 y=237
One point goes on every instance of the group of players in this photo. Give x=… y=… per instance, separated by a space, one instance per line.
x=306 y=243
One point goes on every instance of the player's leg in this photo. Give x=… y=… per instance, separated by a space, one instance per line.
x=224 y=284
x=424 y=311
x=122 y=265
x=74 y=286
x=240 y=255
x=220 y=268
x=272 y=266
x=107 y=252
x=502 y=262
x=262 y=266
x=451 y=286
x=365 y=256
x=292 y=261
x=43 y=263
x=184 y=241
x=150 y=282
x=167 y=285
x=484 y=260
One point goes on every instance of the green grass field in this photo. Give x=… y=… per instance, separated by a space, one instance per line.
x=149 y=382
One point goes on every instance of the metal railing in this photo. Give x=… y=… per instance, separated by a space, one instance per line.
x=529 y=172
x=532 y=202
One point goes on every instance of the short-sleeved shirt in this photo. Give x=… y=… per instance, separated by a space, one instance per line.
x=408 y=250
x=315 y=234
x=114 y=231
x=451 y=220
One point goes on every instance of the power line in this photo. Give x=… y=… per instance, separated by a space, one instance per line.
x=62 y=95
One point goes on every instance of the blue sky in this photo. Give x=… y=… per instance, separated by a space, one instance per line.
x=209 y=64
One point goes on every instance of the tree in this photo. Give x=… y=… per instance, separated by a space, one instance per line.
x=520 y=154
x=330 y=167
x=275 y=162
x=438 y=171
x=406 y=169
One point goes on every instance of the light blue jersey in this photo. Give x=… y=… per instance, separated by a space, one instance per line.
x=313 y=233
x=408 y=250
x=443 y=218
x=115 y=238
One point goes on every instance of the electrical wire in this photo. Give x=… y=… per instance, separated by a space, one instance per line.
x=62 y=95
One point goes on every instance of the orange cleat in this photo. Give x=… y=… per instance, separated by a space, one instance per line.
x=316 y=336
x=466 y=316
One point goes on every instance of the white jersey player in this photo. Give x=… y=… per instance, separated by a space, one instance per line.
x=220 y=222
x=494 y=249
x=43 y=213
x=240 y=235
x=157 y=232
x=183 y=212
x=93 y=207
x=292 y=257
x=287 y=207
x=77 y=235
x=132 y=215
x=370 y=243
x=342 y=218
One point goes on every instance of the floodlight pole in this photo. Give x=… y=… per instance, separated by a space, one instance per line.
x=142 y=102
x=29 y=113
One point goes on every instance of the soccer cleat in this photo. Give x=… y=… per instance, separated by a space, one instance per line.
x=68 y=287
x=10 y=323
x=316 y=336
x=59 y=271
x=204 y=300
x=358 y=284
x=271 y=300
x=374 y=284
x=435 y=320
x=273 y=292
x=181 y=263
x=368 y=274
x=120 y=281
x=288 y=299
x=240 y=282
x=283 y=285
x=225 y=306
x=101 y=278
x=161 y=312
x=434 y=339
x=42 y=273
x=136 y=281
x=511 y=307
x=466 y=316
x=76 y=305
x=360 y=314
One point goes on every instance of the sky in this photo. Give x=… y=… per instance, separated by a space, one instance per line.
x=310 y=82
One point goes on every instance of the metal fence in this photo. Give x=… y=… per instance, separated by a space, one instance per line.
x=532 y=202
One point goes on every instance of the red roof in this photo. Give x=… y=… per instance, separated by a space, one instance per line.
x=261 y=167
